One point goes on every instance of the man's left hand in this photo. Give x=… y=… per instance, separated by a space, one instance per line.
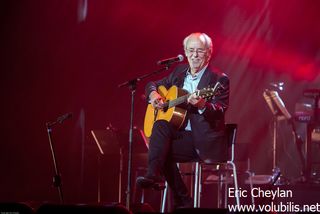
x=196 y=101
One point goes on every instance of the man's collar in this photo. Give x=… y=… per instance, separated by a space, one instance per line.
x=199 y=73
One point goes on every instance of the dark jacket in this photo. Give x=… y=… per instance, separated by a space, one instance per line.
x=208 y=127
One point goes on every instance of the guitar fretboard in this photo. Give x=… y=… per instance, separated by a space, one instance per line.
x=201 y=92
x=178 y=101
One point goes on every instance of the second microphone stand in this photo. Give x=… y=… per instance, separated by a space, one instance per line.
x=57 y=177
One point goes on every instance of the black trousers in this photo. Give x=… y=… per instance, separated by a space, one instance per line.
x=167 y=147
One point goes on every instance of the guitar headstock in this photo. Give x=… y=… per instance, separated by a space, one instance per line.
x=209 y=92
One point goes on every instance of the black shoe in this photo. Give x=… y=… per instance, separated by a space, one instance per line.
x=146 y=182
x=185 y=202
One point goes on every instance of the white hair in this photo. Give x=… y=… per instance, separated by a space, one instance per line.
x=202 y=36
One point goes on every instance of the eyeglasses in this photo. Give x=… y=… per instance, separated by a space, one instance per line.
x=200 y=52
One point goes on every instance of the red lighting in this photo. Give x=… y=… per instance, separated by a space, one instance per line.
x=306 y=72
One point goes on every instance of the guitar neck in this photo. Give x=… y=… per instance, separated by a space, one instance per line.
x=178 y=101
x=204 y=93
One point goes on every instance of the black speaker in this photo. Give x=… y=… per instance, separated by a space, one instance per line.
x=200 y=211
x=20 y=208
x=142 y=208
x=81 y=209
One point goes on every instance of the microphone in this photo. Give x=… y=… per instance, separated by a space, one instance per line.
x=171 y=60
x=278 y=85
x=59 y=120
x=64 y=117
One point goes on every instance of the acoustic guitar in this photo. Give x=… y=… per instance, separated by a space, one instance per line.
x=174 y=108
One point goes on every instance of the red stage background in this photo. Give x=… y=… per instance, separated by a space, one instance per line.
x=57 y=57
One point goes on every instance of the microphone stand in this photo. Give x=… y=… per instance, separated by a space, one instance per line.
x=57 y=176
x=132 y=85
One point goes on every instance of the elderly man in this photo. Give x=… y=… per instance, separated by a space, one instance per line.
x=202 y=136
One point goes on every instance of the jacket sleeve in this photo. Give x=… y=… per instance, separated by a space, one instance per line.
x=168 y=81
x=153 y=85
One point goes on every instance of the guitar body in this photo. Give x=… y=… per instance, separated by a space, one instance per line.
x=175 y=115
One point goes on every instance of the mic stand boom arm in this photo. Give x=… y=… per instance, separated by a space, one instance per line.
x=132 y=85
x=134 y=81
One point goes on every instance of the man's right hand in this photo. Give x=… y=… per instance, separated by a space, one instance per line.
x=156 y=100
